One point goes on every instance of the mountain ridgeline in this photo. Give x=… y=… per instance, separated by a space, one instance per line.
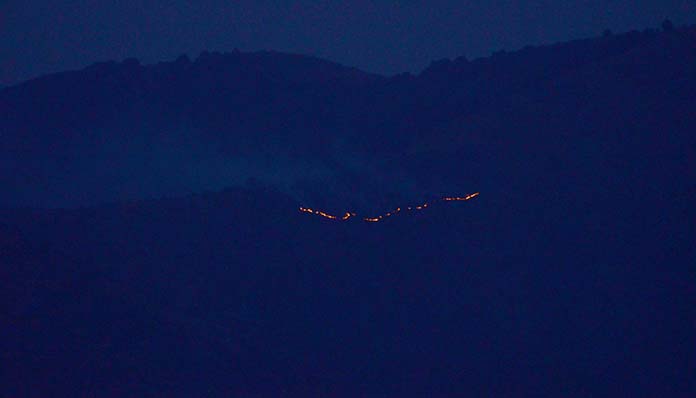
x=157 y=236
x=115 y=131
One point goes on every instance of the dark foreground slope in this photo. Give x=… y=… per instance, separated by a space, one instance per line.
x=239 y=293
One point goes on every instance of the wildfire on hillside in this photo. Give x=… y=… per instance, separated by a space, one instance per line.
x=381 y=217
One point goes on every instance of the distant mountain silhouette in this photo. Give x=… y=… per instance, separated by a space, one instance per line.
x=121 y=130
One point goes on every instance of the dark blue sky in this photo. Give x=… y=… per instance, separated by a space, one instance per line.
x=38 y=37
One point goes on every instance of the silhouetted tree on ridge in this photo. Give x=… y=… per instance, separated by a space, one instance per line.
x=667 y=25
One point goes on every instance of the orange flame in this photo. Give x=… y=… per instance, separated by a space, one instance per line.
x=457 y=198
x=348 y=215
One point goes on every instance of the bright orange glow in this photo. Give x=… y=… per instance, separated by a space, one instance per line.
x=467 y=197
x=348 y=214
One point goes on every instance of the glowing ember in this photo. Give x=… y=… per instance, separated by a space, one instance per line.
x=348 y=215
x=454 y=198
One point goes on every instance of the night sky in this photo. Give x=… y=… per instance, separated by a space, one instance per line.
x=38 y=37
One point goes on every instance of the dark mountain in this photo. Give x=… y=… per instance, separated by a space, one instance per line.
x=114 y=130
x=570 y=275
x=118 y=131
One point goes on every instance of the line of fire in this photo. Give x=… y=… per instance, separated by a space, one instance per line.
x=348 y=215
